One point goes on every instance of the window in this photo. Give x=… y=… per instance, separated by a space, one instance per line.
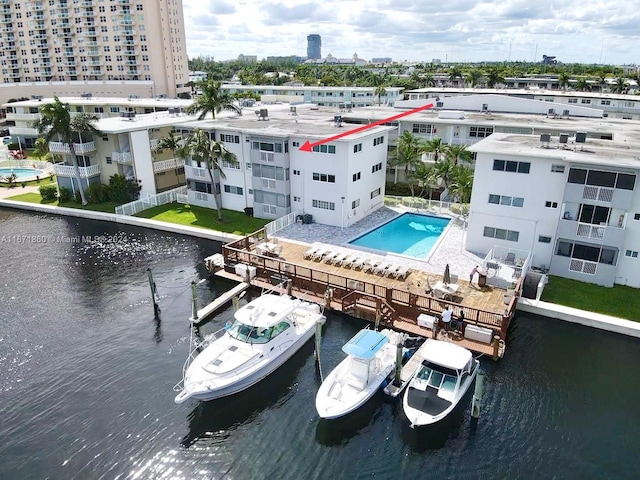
x=378 y=141
x=572 y=100
x=232 y=189
x=377 y=167
x=480 y=132
x=324 y=149
x=506 y=200
x=375 y=193
x=323 y=205
x=636 y=216
x=229 y=138
x=585 y=101
x=605 y=102
x=296 y=172
x=355 y=203
x=356 y=176
x=323 y=177
x=295 y=144
x=599 y=178
x=501 y=234
x=511 y=166
x=590 y=253
x=357 y=148
x=551 y=204
x=631 y=253
x=227 y=164
x=544 y=239
x=109 y=160
x=296 y=199
x=557 y=168
x=422 y=128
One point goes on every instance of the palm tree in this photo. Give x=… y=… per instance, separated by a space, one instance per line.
x=41 y=149
x=212 y=153
x=212 y=100
x=563 y=80
x=494 y=77
x=407 y=153
x=445 y=171
x=436 y=147
x=426 y=178
x=582 y=85
x=176 y=145
x=454 y=74
x=472 y=76
x=56 y=122
x=454 y=153
x=461 y=183
x=621 y=86
x=379 y=92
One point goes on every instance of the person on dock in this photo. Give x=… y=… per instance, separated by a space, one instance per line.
x=474 y=270
x=446 y=317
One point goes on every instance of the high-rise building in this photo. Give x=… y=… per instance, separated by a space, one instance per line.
x=314 y=47
x=138 y=47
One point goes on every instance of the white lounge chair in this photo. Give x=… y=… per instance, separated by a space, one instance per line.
x=402 y=272
x=320 y=253
x=370 y=265
x=382 y=267
x=340 y=258
x=389 y=272
x=346 y=262
x=331 y=256
x=309 y=253
x=356 y=262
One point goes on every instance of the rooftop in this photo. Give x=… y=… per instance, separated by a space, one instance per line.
x=104 y=101
x=524 y=91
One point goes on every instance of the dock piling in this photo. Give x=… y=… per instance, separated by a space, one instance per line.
x=154 y=294
x=194 y=302
x=397 y=381
x=477 y=395
x=496 y=347
x=318 y=339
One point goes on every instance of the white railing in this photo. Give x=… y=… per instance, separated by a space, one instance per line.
x=148 y=200
x=583 y=266
x=267 y=157
x=40 y=165
x=456 y=210
x=22 y=131
x=170 y=164
x=121 y=157
x=590 y=231
x=23 y=116
x=280 y=223
x=600 y=194
x=182 y=198
x=79 y=148
x=196 y=172
x=153 y=143
x=70 y=171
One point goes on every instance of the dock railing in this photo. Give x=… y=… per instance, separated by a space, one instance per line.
x=407 y=305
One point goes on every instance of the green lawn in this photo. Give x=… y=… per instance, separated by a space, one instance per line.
x=232 y=222
x=43 y=181
x=618 y=301
x=107 y=207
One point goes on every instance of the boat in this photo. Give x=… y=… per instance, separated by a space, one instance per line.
x=265 y=334
x=445 y=375
x=370 y=363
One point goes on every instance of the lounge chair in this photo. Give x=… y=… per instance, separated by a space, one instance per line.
x=389 y=272
x=382 y=268
x=355 y=262
x=309 y=253
x=346 y=262
x=340 y=258
x=402 y=272
x=331 y=256
x=510 y=259
x=370 y=265
x=320 y=253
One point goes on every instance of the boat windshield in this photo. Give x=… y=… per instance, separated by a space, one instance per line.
x=248 y=334
x=442 y=379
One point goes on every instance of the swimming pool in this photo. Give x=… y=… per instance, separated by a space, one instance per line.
x=22 y=173
x=409 y=234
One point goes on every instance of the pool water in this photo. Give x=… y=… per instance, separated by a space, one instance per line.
x=22 y=173
x=409 y=234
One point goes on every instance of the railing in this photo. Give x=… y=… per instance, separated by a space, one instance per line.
x=196 y=172
x=121 y=157
x=78 y=148
x=587 y=230
x=148 y=200
x=280 y=223
x=23 y=116
x=168 y=164
x=40 y=165
x=317 y=282
x=70 y=171
x=601 y=194
x=432 y=206
x=583 y=266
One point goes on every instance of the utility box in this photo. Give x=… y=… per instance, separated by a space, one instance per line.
x=307 y=218
x=426 y=321
x=242 y=269
x=480 y=334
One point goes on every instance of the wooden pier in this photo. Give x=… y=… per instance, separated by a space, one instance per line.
x=210 y=309
x=389 y=302
x=408 y=371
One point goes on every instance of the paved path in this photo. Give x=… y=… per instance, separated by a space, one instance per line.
x=10 y=192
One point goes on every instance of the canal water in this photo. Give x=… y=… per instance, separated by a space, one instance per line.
x=86 y=378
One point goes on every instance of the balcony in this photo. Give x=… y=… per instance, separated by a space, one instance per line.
x=154 y=143
x=122 y=157
x=79 y=148
x=23 y=131
x=69 y=171
x=196 y=173
x=165 y=165
x=25 y=117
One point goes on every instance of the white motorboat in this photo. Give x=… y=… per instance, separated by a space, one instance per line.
x=265 y=334
x=371 y=359
x=446 y=373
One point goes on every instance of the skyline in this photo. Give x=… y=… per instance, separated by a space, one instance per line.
x=586 y=31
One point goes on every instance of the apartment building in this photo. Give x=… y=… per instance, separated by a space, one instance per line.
x=347 y=97
x=338 y=183
x=113 y=48
x=574 y=203
x=623 y=106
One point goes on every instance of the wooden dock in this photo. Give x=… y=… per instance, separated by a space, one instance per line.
x=409 y=369
x=210 y=309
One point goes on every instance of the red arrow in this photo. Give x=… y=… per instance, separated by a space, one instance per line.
x=308 y=146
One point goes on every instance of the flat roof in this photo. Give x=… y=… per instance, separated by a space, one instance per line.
x=622 y=153
x=526 y=92
x=303 y=87
x=104 y=101
x=142 y=122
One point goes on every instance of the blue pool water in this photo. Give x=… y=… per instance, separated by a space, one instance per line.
x=409 y=234
x=22 y=173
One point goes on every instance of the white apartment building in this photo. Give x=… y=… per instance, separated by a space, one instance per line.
x=113 y=48
x=626 y=107
x=574 y=202
x=345 y=97
x=338 y=183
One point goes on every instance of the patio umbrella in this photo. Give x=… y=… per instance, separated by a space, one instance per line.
x=446 y=278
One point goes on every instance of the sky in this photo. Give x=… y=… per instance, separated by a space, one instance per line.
x=575 y=31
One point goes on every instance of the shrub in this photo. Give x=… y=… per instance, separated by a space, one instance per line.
x=98 y=193
x=120 y=190
x=77 y=197
x=48 y=192
x=64 y=194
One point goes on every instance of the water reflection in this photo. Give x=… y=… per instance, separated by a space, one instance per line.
x=215 y=419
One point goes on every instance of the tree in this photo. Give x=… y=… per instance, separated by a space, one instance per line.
x=494 y=77
x=436 y=147
x=212 y=153
x=41 y=149
x=621 y=86
x=461 y=183
x=454 y=74
x=56 y=122
x=379 y=92
x=454 y=153
x=582 y=85
x=472 y=76
x=212 y=100
x=176 y=145
x=426 y=178
x=563 y=80
x=407 y=153
x=444 y=171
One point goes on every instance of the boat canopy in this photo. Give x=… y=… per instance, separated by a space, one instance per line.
x=446 y=354
x=365 y=344
x=266 y=311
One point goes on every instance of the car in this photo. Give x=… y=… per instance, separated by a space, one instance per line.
x=7 y=140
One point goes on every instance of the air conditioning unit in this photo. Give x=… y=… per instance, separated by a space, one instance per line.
x=565 y=113
x=86 y=95
x=128 y=115
x=337 y=120
x=161 y=95
x=545 y=138
x=174 y=111
x=292 y=110
x=37 y=97
x=551 y=112
x=262 y=114
x=581 y=137
x=563 y=138
x=439 y=104
x=355 y=285
x=133 y=97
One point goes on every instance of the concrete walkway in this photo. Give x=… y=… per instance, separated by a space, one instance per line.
x=11 y=192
